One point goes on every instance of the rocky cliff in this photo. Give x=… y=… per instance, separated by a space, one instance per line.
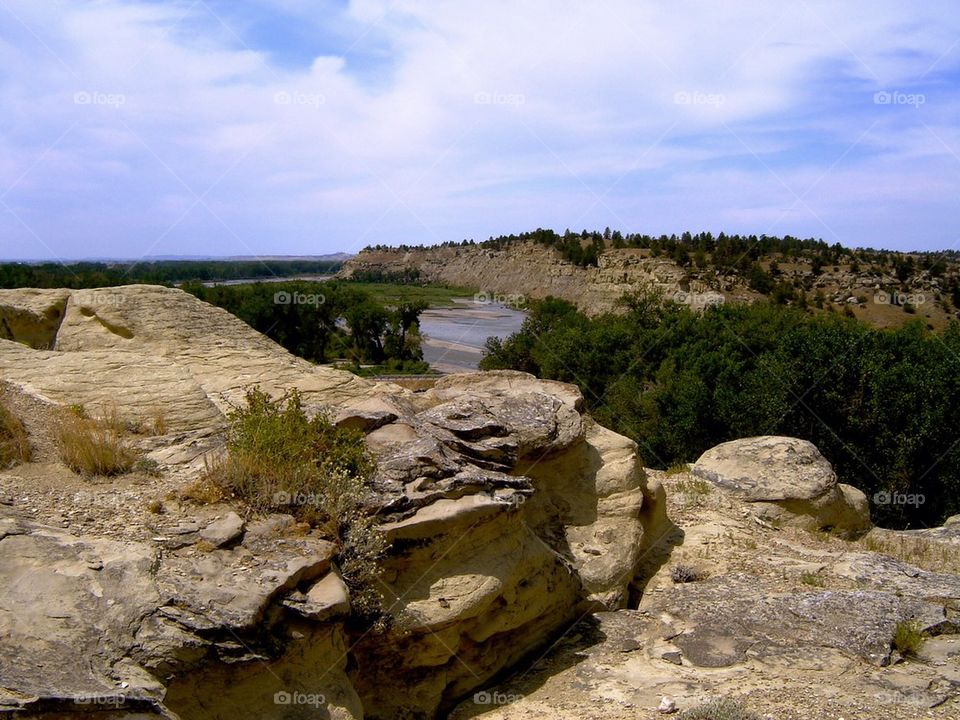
x=527 y=270
x=532 y=568
x=508 y=511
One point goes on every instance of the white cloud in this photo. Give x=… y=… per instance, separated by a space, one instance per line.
x=483 y=119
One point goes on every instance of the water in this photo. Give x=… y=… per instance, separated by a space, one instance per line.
x=250 y=281
x=454 y=337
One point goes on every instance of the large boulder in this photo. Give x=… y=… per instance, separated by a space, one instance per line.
x=785 y=480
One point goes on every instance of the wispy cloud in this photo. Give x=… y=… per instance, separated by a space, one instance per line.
x=302 y=127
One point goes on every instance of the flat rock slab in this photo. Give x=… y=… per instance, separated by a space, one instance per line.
x=232 y=588
x=69 y=609
x=722 y=618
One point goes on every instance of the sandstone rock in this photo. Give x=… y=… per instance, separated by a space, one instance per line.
x=92 y=625
x=223 y=531
x=152 y=350
x=786 y=479
x=327 y=598
x=69 y=610
x=509 y=513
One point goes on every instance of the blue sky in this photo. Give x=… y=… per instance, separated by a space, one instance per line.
x=217 y=127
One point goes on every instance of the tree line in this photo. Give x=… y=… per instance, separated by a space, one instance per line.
x=159 y=272
x=326 y=321
x=880 y=404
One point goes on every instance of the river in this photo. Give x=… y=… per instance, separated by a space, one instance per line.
x=454 y=337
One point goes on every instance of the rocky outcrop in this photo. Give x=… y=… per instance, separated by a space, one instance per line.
x=785 y=480
x=509 y=513
x=151 y=350
x=794 y=624
x=527 y=271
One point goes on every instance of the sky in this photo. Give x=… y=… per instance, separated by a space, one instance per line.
x=135 y=128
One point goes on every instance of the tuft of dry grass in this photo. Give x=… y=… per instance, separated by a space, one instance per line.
x=14 y=443
x=94 y=446
x=922 y=552
x=205 y=491
x=723 y=709
x=678 y=468
x=158 y=422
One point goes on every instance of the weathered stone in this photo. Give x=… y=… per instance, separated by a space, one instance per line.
x=786 y=479
x=223 y=531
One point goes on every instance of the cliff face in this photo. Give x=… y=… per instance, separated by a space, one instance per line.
x=528 y=271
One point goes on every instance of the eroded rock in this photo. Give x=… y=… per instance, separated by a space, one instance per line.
x=785 y=479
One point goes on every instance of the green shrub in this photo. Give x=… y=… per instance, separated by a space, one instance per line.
x=724 y=709
x=14 y=443
x=812 y=579
x=908 y=638
x=279 y=459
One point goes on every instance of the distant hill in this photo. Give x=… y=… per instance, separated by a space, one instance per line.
x=595 y=269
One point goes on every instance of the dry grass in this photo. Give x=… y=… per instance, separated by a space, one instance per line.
x=725 y=709
x=204 y=491
x=924 y=553
x=158 y=422
x=678 y=468
x=14 y=443
x=94 y=446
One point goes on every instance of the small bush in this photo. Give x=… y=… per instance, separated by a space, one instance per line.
x=678 y=468
x=908 y=638
x=724 y=709
x=280 y=460
x=94 y=446
x=812 y=579
x=147 y=466
x=686 y=574
x=14 y=443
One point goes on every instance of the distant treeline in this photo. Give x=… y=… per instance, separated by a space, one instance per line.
x=704 y=250
x=880 y=404
x=159 y=272
x=325 y=321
